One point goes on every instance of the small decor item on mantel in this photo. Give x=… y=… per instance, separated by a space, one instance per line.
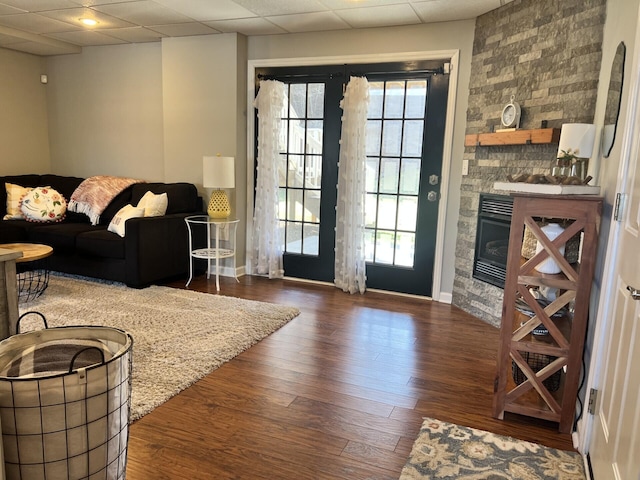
x=542 y=179
x=510 y=117
x=574 y=149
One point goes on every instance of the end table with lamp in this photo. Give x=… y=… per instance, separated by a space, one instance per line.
x=221 y=243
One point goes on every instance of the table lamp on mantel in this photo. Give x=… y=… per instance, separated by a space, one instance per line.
x=218 y=173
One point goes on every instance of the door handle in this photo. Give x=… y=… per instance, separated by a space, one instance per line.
x=635 y=294
x=432 y=196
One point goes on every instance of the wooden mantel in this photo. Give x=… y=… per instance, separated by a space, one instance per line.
x=516 y=137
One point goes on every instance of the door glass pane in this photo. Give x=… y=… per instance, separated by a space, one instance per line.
x=312 y=206
x=405 y=248
x=313 y=171
x=371 y=208
x=314 y=136
x=407 y=213
x=311 y=239
x=298 y=100
x=391 y=137
x=412 y=138
x=371 y=175
x=294 y=205
x=385 y=246
x=296 y=167
x=374 y=131
x=387 y=211
x=376 y=93
x=369 y=245
x=296 y=136
x=282 y=170
x=316 y=100
x=410 y=176
x=394 y=100
x=282 y=203
x=416 y=98
x=294 y=237
x=389 y=172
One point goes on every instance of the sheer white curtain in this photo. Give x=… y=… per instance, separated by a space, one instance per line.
x=350 y=266
x=267 y=234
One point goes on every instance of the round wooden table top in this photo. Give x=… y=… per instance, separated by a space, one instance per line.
x=30 y=251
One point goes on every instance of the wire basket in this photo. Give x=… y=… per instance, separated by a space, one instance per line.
x=65 y=403
x=537 y=362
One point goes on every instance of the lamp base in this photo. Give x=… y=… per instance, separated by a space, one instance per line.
x=219 y=205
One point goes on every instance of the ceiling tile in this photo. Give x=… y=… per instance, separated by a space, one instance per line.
x=205 y=10
x=309 y=22
x=247 y=26
x=134 y=34
x=446 y=10
x=7 y=39
x=38 y=48
x=73 y=16
x=143 y=13
x=183 y=29
x=86 y=38
x=7 y=10
x=340 y=4
x=40 y=5
x=35 y=23
x=401 y=14
x=281 y=7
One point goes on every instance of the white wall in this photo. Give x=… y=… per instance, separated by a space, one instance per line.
x=203 y=93
x=24 y=134
x=105 y=112
x=397 y=40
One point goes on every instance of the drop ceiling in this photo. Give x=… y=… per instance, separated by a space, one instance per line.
x=53 y=27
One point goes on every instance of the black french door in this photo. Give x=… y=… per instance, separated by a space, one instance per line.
x=405 y=132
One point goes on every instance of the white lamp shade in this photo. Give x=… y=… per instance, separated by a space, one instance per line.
x=577 y=137
x=218 y=172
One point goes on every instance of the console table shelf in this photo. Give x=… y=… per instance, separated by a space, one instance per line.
x=516 y=137
x=538 y=374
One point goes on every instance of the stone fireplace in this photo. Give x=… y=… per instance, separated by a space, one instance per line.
x=547 y=54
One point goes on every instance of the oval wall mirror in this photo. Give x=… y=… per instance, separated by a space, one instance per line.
x=614 y=95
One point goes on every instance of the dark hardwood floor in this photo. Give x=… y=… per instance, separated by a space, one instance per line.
x=339 y=392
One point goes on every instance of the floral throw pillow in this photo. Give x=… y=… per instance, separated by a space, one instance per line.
x=43 y=204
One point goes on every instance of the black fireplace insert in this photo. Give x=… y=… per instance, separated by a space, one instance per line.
x=492 y=238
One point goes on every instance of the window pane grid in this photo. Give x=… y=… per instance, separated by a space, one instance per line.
x=395 y=129
x=300 y=170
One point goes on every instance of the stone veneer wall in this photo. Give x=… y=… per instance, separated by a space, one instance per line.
x=547 y=53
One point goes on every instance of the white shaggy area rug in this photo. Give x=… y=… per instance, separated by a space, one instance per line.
x=179 y=335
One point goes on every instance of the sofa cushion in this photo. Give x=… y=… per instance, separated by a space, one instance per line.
x=100 y=243
x=60 y=236
x=13 y=231
x=182 y=197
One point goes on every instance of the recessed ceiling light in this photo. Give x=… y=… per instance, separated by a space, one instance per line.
x=90 y=22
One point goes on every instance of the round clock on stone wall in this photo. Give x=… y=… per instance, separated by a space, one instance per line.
x=510 y=117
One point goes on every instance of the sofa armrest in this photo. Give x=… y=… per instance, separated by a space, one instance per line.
x=156 y=248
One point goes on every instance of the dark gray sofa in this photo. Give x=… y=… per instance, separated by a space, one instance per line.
x=153 y=249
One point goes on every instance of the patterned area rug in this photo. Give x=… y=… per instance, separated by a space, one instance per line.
x=448 y=451
x=179 y=336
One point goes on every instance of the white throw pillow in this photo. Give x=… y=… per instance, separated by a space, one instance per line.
x=14 y=195
x=154 y=205
x=43 y=205
x=120 y=218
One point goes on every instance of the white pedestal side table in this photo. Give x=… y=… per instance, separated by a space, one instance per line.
x=221 y=243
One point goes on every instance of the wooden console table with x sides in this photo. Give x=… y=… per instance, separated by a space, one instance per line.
x=565 y=317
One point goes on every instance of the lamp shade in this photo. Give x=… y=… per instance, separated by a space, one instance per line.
x=218 y=172
x=577 y=137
